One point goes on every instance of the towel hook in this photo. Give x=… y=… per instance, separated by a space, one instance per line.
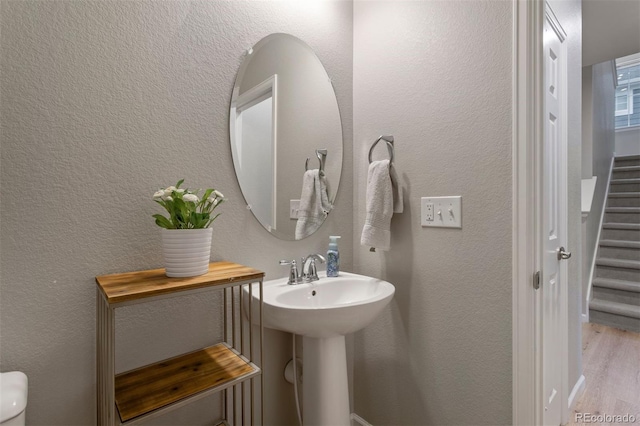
x=322 y=157
x=389 y=140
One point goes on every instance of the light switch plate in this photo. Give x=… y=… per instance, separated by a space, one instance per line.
x=294 y=206
x=445 y=212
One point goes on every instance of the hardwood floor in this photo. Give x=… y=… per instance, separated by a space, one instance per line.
x=611 y=364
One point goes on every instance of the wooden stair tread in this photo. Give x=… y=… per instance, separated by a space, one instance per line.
x=615 y=308
x=631 y=286
x=126 y=287
x=149 y=388
x=618 y=263
x=620 y=243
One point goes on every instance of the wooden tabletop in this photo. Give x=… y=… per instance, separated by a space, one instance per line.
x=118 y=288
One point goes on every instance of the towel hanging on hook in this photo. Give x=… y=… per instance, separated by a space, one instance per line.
x=322 y=157
x=389 y=140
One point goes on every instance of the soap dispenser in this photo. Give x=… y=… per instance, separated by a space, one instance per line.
x=333 y=257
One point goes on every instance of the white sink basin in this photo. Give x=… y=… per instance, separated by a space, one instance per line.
x=331 y=306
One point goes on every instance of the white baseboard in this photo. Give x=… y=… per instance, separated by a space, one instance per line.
x=576 y=392
x=356 y=420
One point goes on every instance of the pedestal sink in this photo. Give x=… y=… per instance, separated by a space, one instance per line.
x=323 y=312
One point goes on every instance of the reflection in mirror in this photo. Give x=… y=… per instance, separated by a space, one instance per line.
x=286 y=136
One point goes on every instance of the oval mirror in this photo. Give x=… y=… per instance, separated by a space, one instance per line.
x=283 y=120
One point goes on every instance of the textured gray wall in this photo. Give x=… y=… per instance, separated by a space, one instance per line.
x=627 y=142
x=102 y=103
x=437 y=76
x=587 y=125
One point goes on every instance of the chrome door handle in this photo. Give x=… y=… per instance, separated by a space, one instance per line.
x=563 y=255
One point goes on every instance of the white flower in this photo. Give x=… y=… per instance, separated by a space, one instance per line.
x=169 y=191
x=180 y=190
x=191 y=198
x=218 y=194
x=168 y=198
x=158 y=194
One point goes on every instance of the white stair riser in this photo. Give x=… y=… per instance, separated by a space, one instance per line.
x=619 y=253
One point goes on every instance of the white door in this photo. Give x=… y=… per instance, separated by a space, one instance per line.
x=554 y=222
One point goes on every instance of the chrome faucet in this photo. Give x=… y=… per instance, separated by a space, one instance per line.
x=294 y=275
x=311 y=273
x=308 y=269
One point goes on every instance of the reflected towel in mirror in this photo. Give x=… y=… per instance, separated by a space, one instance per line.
x=314 y=204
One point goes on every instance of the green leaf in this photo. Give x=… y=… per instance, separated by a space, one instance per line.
x=203 y=220
x=194 y=219
x=180 y=214
x=206 y=195
x=162 y=221
x=179 y=183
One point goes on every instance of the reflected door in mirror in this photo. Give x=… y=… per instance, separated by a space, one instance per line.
x=253 y=123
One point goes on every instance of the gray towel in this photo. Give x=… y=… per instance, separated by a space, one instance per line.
x=314 y=204
x=384 y=197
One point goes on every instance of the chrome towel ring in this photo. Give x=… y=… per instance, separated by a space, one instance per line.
x=322 y=157
x=389 y=140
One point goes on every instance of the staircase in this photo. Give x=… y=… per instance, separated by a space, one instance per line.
x=616 y=286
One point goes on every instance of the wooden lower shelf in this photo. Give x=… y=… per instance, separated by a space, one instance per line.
x=146 y=389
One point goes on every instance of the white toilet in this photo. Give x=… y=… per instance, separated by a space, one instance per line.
x=13 y=398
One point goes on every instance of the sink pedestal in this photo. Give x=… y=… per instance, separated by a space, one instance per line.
x=323 y=313
x=325 y=386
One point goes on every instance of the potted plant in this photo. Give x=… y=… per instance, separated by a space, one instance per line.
x=186 y=233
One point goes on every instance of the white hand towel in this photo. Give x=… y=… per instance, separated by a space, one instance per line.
x=380 y=206
x=314 y=204
x=397 y=191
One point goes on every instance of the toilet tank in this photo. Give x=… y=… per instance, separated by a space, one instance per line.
x=13 y=398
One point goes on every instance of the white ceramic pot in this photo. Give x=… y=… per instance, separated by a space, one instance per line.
x=186 y=251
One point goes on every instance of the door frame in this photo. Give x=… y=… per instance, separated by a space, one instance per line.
x=527 y=172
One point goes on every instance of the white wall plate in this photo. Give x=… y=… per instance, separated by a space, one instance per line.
x=441 y=212
x=294 y=206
